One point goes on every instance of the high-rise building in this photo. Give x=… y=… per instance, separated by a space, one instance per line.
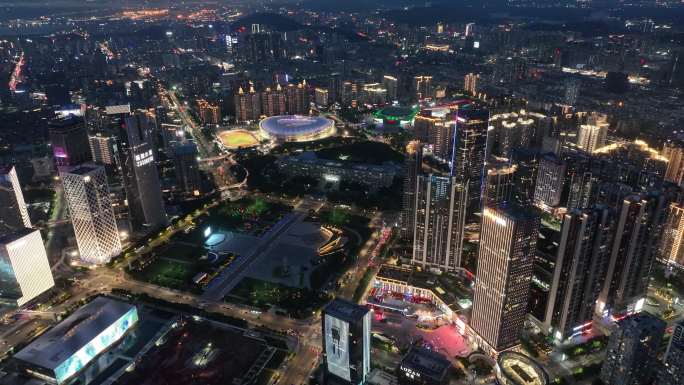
x=103 y=149
x=550 y=180
x=671 y=249
x=247 y=105
x=423 y=87
x=13 y=213
x=579 y=270
x=468 y=156
x=91 y=212
x=516 y=130
x=508 y=240
x=69 y=141
x=674 y=153
x=636 y=233
x=436 y=133
x=592 y=135
x=632 y=350
x=186 y=167
x=140 y=176
x=321 y=97
x=391 y=84
x=438 y=222
x=373 y=93
x=499 y=183
x=469 y=29
x=572 y=89
x=208 y=113
x=672 y=371
x=25 y=272
x=414 y=162
x=346 y=342
x=470 y=83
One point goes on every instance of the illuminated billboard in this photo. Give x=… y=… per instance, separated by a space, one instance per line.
x=97 y=345
x=336 y=347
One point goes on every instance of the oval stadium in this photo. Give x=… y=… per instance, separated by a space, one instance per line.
x=296 y=128
x=514 y=368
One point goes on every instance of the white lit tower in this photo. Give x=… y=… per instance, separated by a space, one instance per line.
x=13 y=213
x=92 y=215
x=25 y=272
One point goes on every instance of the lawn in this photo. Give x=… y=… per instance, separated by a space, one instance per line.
x=168 y=273
x=238 y=139
x=297 y=302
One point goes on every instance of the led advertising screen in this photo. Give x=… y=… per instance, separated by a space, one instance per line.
x=104 y=340
x=336 y=349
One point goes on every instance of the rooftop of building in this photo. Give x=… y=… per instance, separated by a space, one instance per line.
x=447 y=288
x=188 y=148
x=15 y=234
x=65 y=122
x=82 y=170
x=73 y=333
x=427 y=363
x=345 y=310
x=517 y=368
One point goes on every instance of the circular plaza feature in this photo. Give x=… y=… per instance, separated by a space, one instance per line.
x=236 y=139
x=397 y=116
x=296 y=128
x=514 y=368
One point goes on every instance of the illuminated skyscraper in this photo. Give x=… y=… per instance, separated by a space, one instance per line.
x=632 y=350
x=91 y=212
x=208 y=113
x=436 y=134
x=439 y=222
x=671 y=248
x=143 y=189
x=25 y=270
x=346 y=342
x=470 y=83
x=674 y=152
x=508 y=241
x=550 y=179
x=470 y=138
x=391 y=84
x=580 y=268
x=469 y=29
x=321 y=97
x=69 y=141
x=499 y=183
x=13 y=213
x=103 y=149
x=414 y=161
x=423 y=87
x=592 y=135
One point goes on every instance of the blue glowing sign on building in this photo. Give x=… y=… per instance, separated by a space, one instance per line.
x=97 y=345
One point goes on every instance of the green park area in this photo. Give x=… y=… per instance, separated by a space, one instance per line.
x=297 y=302
x=178 y=260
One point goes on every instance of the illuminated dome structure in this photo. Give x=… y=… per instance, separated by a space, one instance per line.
x=395 y=116
x=296 y=128
x=514 y=368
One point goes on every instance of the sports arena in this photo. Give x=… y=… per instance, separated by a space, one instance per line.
x=296 y=128
x=235 y=139
x=395 y=116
